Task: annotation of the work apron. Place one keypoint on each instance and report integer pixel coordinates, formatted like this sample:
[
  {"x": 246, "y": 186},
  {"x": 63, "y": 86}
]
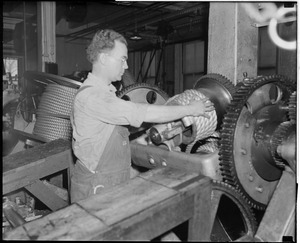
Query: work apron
[{"x": 113, "y": 168}]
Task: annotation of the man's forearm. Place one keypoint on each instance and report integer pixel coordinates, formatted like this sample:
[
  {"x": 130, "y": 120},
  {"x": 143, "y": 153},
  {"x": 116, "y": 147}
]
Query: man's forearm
[{"x": 160, "y": 114}]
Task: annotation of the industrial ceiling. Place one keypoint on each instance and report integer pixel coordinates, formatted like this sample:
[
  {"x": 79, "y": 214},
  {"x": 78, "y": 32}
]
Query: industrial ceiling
[{"x": 147, "y": 23}]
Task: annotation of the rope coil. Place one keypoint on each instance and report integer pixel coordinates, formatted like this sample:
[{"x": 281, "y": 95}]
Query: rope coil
[{"x": 204, "y": 126}]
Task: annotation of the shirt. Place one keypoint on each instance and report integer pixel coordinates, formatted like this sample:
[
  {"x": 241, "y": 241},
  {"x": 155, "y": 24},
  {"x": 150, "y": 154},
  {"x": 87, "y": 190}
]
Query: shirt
[{"x": 96, "y": 111}]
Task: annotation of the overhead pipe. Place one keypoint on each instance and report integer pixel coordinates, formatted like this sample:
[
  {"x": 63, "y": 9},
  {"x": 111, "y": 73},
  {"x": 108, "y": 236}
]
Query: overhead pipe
[
  {"x": 166, "y": 18},
  {"x": 193, "y": 22},
  {"x": 153, "y": 20}
]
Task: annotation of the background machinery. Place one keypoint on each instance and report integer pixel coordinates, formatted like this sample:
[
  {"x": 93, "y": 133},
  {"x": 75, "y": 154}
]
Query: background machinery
[{"x": 247, "y": 145}]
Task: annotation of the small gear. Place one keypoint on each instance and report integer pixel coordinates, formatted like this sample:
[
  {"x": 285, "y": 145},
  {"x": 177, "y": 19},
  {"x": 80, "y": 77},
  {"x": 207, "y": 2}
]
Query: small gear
[
  {"x": 293, "y": 106},
  {"x": 280, "y": 134}
]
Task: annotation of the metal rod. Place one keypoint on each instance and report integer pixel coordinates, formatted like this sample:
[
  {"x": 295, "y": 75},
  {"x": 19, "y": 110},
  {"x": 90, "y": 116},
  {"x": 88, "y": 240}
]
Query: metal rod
[
  {"x": 152, "y": 56},
  {"x": 159, "y": 62},
  {"x": 25, "y": 46},
  {"x": 142, "y": 64}
]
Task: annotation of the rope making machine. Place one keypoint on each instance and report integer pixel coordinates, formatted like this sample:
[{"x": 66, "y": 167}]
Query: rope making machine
[{"x": 246, "y": 146}]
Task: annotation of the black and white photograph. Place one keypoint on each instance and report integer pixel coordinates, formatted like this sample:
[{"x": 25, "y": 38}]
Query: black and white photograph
[{"x": 150, "y": 121}]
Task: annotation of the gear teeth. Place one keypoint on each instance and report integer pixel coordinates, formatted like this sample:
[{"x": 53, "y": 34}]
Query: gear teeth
[
  {"x": 135, "y": 86},
  {"x": 281, "y": 132},
  {"x": 225, "y": 82},
  {"x": 231, "y": 191},
  {"x": 293, "y": 106},
  {"x": 228, "y": 126}
]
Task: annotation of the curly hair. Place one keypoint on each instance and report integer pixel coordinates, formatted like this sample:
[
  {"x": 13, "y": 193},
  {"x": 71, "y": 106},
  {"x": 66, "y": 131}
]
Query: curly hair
[{"x": 102, "y": 41}]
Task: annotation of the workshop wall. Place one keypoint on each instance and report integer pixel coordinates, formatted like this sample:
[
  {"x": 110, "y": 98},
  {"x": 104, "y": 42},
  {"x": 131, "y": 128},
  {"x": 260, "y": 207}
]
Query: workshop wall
[{"x": 70, "y": 55}]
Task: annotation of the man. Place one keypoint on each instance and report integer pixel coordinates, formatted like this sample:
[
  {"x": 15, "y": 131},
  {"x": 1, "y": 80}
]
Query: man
[{"x": 100, "y": 142}]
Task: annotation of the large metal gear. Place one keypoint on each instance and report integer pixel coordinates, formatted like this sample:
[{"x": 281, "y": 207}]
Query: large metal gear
[
  {"x": 258, "y": 107},
  {"x": 226, "y": 201}
]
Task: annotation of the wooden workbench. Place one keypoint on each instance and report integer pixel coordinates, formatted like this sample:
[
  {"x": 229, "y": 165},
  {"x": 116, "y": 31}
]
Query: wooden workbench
[
  {"x": 147, "y": 206},
  {"x": 25, "y": 169}
]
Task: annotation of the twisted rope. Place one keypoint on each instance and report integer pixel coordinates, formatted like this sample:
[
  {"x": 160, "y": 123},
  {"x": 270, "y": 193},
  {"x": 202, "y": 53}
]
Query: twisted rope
[{"x": 204, "y": 126}]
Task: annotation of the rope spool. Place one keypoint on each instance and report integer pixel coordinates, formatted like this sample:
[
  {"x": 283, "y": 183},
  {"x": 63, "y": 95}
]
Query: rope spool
[
  {"x": 53, "y": 127},
  {"x": 53, "y": 113},
  {"x": 57, "y": 100},
  {"x": 204, "y": 126}
]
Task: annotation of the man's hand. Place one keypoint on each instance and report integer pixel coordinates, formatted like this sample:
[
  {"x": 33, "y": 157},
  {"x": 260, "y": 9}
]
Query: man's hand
[{"x": 201, "y": 107}]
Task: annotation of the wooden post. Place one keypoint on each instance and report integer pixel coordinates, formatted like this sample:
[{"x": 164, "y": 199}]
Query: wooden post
[
  {"x": 232, "y": 42},
  {"x": 46, "y": 12}
]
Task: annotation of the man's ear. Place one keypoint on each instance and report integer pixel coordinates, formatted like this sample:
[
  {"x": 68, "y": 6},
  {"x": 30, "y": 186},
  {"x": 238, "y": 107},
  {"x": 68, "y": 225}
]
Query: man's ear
[{"x": 102, "y": 58}]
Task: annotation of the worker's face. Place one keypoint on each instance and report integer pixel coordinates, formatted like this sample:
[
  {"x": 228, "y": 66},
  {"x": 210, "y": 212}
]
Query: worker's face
[{"x": 116, "y": 61}]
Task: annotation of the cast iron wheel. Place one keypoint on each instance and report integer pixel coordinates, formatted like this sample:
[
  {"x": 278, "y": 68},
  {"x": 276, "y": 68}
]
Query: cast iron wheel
[
  {"x": 143, "y": 93},
  {"x": 258, "y": 107},
  {"x": 233, "y": 218}
]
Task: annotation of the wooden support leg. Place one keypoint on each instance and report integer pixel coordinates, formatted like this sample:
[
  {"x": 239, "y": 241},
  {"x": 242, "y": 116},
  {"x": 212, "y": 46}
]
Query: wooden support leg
[
  {"x": 197, "y": 230},
  {"x": 279, "y": 218}
]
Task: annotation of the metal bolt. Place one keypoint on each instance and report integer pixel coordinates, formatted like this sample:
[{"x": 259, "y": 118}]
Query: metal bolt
[
  {"x": 259, "y": 189},
  {"x": 151, "y": 161},
  {"x": 164, "y": 163},
  {"x": 243, "y": 151},
  {"x": 250, "y": 178}
]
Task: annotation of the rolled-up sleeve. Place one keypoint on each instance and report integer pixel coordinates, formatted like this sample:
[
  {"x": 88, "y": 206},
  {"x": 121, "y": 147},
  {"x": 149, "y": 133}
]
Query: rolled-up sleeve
[{"x": 116, "y": 111}]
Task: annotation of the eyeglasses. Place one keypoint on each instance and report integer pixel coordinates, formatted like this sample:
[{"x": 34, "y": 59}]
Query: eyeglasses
[{"x": 122, "y": 59}]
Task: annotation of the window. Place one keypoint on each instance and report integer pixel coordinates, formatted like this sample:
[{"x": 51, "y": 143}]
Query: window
[{"x": 10, "y": 72}]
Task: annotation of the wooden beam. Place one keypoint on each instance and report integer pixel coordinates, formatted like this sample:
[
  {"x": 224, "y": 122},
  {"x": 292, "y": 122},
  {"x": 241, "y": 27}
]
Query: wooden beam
[
  {"x": 232, "y": 42},
  {"x": 46, "y": 196}
]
